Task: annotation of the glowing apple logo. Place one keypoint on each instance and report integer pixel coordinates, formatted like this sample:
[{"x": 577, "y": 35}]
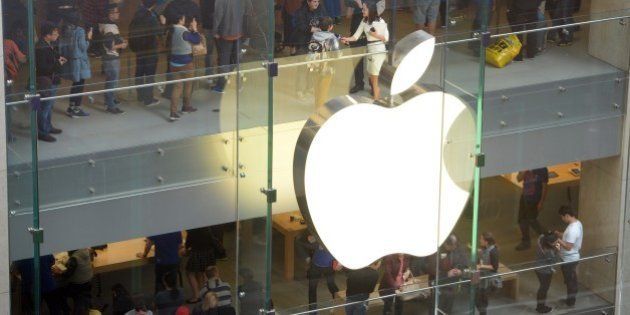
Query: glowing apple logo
[{"x": 373, "y": 181}]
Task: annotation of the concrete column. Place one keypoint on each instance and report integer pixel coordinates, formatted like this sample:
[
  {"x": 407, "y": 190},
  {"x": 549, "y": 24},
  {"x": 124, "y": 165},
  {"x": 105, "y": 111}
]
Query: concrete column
[{"x": 604, "y": 183}]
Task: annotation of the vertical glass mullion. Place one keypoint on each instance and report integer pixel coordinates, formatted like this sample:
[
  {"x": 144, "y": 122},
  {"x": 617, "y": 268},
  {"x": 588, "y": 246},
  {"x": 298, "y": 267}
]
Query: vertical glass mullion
[
  {"x": 270, "y": 121},
  {"x": 32, "y": 90}
]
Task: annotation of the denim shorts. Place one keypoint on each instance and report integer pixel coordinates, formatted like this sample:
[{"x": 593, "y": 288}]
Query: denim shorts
[{"x": 425, "y": 11}]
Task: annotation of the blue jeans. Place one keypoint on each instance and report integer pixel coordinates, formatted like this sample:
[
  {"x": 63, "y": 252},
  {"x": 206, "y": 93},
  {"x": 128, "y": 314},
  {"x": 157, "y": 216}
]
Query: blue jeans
[
  {"x": 145, "y": 74},
  {"x": 111, "y": 68},
  {"x": 210, "y": 57},
  {"x": 357, "y": 308},
  {"x": 44, "y": 122},
  {"x": 542, "y": 35}
]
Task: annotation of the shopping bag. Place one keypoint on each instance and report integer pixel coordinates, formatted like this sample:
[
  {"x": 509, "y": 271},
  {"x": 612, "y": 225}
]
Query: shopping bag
[{"x": 503, "y": 51}]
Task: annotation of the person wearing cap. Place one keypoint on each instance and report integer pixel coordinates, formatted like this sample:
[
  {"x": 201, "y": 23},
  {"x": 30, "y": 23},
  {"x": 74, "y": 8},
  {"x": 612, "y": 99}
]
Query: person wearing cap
[{"x": 144, "y": 32}]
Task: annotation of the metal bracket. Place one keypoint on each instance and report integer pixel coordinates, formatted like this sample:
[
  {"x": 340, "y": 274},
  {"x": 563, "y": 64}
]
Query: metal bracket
[
  {"x": 272, "y": 194},
  {"x": 34, "y": 100},
  {"x": 480, "y": 160},
  {"x": 37, "y": 233},
  {"x": 272, "y": 69}
]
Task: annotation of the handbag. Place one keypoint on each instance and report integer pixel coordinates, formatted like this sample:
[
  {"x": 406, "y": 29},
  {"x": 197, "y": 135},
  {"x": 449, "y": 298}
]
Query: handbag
[
  {"x": 201, "y": 48},
  {"x": 414, "y": 285}
]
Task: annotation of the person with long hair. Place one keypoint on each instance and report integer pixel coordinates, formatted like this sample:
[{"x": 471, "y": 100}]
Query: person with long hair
[
  {"x": 546, "y": 254},
  {"x": 375, "y": 29},
  {"x": 76, "y": 42},
  {"x": 488, "y": 264}
]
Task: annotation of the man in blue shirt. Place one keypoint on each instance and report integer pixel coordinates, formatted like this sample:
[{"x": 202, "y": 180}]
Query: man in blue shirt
[
  {"x": 321, "y": 265},
  {"x": 534, "y": 194},
  {"x": 167, "y": 247}
]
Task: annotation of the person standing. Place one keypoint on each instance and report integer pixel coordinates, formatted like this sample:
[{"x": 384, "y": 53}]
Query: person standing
[
  {"x": 396, "y": 268},
  {"x": 200, "y": 255},
  {"x": 532, "y": 198},
  {"x": 488, "y": 265},
  {"x": 307, "y": 20},
  {"x": 355, "y": 15},
  {"x": 77, "y": 278},
  {"x": 171, "y": 297},
  {"x": 113, "y": 43},
  {"x": 48, "y": 63},
  {"x": 523, "y": 15},
  {"x": 425, "y": 14},
  {"x": 49, "y": 292},
  {"x": 182, "y": 36},
  {"x": 451, "y": 262},
  {"x": 144, "y": 32},
  {"x": 569, "y": 244},
  {"x": 207, "y": 23},
  {"x": 321, "y": 266},
  {"x": 375, "y": 29},
  {"x": 219, "y": 287},
  {"x": 561, "y": 14},
  {"x": 359, "y": 284},
  {"x": 75, "y": 48},
  {"x": 228, "y": 30},
  {"x": 546, "y": 254},
  {"x": 167, "y": 249}
]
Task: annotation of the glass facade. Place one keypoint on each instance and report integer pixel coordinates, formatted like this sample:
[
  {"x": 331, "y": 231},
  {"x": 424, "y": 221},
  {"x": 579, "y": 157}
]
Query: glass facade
[{"x": 295, "y": 157}]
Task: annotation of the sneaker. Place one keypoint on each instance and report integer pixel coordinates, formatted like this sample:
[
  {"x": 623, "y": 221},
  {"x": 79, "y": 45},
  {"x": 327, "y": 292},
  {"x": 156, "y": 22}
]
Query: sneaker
[
  {"x": 523, "y": 246},
  {"x": 153, "y": 102},
  {"x": 76, "y": 112},
  {"x": 55, "y": 131},
  {"x": 188, "y": 109},
  {"x": 117, "y": 102},
  {"x": 173, "y": 117},
  {"x": 218, "y": 89},
  {"x": 356, "y": 89},
  {"x": 544, "y": 309},
  {"x": 46, "y": 138},
  {"x": 115, "y": 110}
]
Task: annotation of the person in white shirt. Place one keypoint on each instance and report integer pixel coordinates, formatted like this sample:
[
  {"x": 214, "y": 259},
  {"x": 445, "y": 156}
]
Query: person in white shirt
[
  {"x": 375, "y": 29},
  {"x": 569, "y": 244}
]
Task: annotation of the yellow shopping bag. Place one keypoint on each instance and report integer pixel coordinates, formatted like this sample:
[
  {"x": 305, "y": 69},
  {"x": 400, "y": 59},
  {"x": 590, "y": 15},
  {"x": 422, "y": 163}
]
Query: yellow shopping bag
[{"x": 503, "y": 51}]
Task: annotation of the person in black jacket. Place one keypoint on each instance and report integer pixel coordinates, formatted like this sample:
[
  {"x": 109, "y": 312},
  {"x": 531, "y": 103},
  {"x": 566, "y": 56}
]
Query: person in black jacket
[
  {"x": 308, "y": 17},
  {"x": 48, "y": 62},
  {"x": 360, "y": 283},
  {"x": 144, "y": 32},
  {"x": 488, "y": 264},
  {"x": 207, "y": 20},
  {"x": 451, "y": 262},
  {"x": 523, "y": 15}
]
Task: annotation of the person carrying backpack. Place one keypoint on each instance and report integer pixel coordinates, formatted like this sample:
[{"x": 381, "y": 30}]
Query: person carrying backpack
[
  {"x": 74, "y": 46},
  {"x": 144, "y": 32}
]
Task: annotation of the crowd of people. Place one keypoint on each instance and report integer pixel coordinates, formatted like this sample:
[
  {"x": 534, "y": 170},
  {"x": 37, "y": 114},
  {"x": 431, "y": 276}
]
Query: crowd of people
[
  {"x": 72, "y": 33},
  {"x": 450, "y": 265}
]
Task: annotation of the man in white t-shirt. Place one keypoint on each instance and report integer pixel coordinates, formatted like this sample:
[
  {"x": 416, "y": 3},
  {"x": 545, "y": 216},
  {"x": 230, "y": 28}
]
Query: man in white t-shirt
[{"x": 569, "y": 244}]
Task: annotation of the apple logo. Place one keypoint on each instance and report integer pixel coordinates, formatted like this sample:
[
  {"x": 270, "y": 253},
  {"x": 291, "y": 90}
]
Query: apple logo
[{"x": 373, "y": 181}]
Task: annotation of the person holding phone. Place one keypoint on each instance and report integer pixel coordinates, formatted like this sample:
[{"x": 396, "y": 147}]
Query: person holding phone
[
  {"x": 375, "y": 29},
  {"x": 48, "y": 63}
]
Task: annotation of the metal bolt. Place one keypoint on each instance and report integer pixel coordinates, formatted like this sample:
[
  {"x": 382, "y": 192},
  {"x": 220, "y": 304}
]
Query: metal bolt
[
  {"x": 92, "y": 190},
  {"x": 616, "y": 106},
  {"x": 505, "y": 98},
  {"x": 242, "y": 175},
  {"x": 160, "y": 151},
  {"x": 560, "y": 115},
  {"x": 503, "y": 123},
  {"x": 16, "y": 174},
  {"x": 224, "y": 168},
  {"x": 240, "y": 139},
  {"x": 618, "y": 80},
  {"x": 160, "y": 179},
  {"x": 562, "y": 89},
  {"x": 12, "y": 212},
  {"x": 17, "y": 202},
  {"x": 226, "y": 141},
  {"x": 92, "y": 162}
]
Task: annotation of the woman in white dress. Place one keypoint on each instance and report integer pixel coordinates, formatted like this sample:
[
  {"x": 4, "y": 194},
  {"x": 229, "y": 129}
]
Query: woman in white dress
[{"x": 375, "y": 29}]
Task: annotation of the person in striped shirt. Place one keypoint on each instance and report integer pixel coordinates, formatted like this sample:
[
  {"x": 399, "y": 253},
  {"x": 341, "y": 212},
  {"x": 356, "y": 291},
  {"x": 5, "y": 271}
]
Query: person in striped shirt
[{"x": 219, "y": 287}]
